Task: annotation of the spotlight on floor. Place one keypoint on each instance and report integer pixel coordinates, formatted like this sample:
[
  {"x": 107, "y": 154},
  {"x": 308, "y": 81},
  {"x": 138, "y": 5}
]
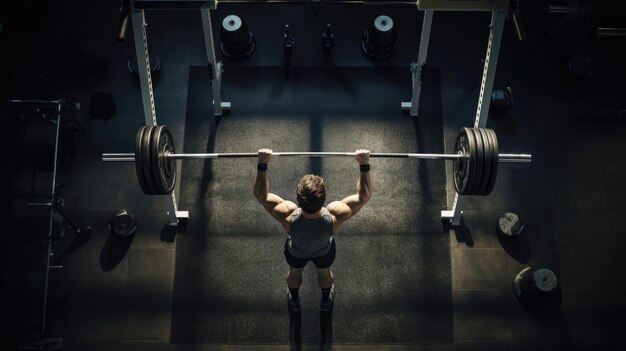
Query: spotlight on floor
[
  {"x": 237, "y": 41},
  {"x": 379, "y": 40}
]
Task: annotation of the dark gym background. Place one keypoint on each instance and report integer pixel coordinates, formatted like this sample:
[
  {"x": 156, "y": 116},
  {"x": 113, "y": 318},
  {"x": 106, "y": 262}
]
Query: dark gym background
[{"x": 126, "y": 294}]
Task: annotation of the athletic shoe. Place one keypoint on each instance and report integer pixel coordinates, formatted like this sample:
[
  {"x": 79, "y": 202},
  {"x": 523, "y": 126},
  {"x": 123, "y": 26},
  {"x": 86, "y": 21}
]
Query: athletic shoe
[
  {"x": 294, "y": 305},
  {"x": 326, "y": 305}
]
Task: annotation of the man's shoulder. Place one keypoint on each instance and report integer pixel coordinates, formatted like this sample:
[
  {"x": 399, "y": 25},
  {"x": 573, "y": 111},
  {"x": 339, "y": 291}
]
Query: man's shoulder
[{"x": 336, "y": 207}]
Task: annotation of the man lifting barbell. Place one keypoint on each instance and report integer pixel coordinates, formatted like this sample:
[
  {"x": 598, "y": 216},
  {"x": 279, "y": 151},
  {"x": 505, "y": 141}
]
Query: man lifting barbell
[{"x": 310, "y": 227}]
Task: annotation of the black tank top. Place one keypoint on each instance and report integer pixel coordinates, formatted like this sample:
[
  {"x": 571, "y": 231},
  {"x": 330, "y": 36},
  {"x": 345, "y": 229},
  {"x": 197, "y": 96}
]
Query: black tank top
[{"x": 310, "y": 238}]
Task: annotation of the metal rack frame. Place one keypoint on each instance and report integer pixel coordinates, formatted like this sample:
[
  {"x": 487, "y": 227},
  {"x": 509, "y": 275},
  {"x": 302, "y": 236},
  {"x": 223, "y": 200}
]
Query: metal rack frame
[
  {"x": 49, "y": 343},
  {"x": 498, "y": 8}
]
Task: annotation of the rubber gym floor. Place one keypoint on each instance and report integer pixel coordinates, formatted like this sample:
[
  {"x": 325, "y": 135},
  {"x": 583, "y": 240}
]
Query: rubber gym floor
[{"x": 403, "y": 281}]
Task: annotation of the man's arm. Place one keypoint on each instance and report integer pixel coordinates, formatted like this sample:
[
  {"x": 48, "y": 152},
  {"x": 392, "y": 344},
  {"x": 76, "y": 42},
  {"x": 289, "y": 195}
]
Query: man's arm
[
  {"x": 351, "y": 205},
  {"x": 274, "y": 204}
]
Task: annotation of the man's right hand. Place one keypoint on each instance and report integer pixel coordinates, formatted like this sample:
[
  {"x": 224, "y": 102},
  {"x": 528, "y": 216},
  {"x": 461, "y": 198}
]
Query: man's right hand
[
  {"x": 265, "y": 156},
  {"x": 362, "y": 157}
]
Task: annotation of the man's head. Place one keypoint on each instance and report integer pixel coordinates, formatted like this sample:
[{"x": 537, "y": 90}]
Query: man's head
[{"x": 311, "y": 193}]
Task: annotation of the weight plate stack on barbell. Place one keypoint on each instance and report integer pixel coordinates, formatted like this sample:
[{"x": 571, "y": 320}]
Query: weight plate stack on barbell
[
  {"x": 476, "y": 157},
  {"x": 155, "y": 171},
  {"x": 475, "y": 174}
]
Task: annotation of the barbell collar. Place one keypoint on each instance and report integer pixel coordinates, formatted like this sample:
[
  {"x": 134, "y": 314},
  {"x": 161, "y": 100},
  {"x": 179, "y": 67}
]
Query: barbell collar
[{"x": 130, "y": 157}]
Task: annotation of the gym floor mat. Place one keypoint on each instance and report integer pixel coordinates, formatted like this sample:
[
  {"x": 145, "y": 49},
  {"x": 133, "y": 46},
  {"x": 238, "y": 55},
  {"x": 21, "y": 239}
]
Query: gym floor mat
[{"x": 393, "y": 281}]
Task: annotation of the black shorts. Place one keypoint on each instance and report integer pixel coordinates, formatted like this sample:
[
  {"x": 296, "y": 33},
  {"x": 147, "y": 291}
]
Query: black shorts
[{"x": 319, "y": 262}]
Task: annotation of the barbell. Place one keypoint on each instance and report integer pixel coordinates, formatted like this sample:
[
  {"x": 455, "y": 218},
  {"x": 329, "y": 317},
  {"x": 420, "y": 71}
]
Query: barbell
[{"x": 475, "y": 157}]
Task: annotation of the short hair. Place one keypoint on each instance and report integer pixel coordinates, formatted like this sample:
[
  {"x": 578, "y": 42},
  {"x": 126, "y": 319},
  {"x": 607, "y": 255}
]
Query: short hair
[{"x": 311, "y": 193}]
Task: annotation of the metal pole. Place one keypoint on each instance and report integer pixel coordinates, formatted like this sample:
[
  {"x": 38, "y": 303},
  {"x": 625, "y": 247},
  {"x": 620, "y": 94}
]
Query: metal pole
[
  {"x": 489, "y": 70},
  {"x": 417, "y": 69},
  {"x": 484, "y": 98},
  {"x": 325, "y": 2},
  {"x": 611, "y": 32},
  {"x": 130, "y": 157},
  {"x": 147, "y": 94},
  {"x": 37, "y": 102},
  {"x": 143, "y": 66},
  {"x": 477, "y": 5},
  {"x": 216, "y": 67},
  {"x": 50, "y": 225}
]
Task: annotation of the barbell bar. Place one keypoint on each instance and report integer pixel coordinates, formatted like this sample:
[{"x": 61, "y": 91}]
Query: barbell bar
[
  {"x": 475, "y": 157},
  {"x": 130, "y": 157}
]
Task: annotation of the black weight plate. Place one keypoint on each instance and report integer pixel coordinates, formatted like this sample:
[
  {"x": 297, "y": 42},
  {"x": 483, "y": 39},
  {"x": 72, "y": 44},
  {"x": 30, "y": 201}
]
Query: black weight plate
[
  {"x": 494, "y": 165},
  {"x": 471, "y": 141},
  {"x": 461, "y": 165},
  {"x": 479, "y": 165},
  {"x": 464, "y": 171},
  {"x": 487, "y": 145},
  {"x": 122, "y": 223},
  {"x": 164, "y": 169},
  {"x": 139, "y": 160},
  {"x": 154, "y": 155},
  {"x": 147, "y": 148},
  {"x": 169, "y": 165},
  {"x": 493, "y": 159},
  {"x": 143, "y": 166},
  {"x": 544, "y": 280},
  {"x": 154, "y": 160}
]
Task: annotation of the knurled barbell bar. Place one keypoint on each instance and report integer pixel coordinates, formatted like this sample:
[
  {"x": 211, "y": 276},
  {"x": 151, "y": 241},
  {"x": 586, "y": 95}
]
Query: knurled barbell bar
[{"x": 475, "y": 157}]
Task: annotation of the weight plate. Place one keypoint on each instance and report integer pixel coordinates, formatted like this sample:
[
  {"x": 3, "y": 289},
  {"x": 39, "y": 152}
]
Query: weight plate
[
  {"x": 471, "y": 141},
  {"x": 486, "y": 165},
  {"x": 480, "y": 161},
  {"x": 517, "y": 283},
  {"x": 510, "y": 225},
  {"x": 494, "y": 165},
  {"x": 487, "y": 145},
  {"x": 147, "y": 148},
  {"x": 494, "y": 160},
  {"x": 154, "y": 155},
  {"x": 545, "y": 280},
  {"x": 164, "y": 169},
  {"x": 122, "y": 223},
  {"x": 168, "y": 165},
  {"x": 142, "y": 166},
  {"x": 139, "y": 159},
  {"x": 462, "y": 165},
  {"x": 154, "y": 158}
]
